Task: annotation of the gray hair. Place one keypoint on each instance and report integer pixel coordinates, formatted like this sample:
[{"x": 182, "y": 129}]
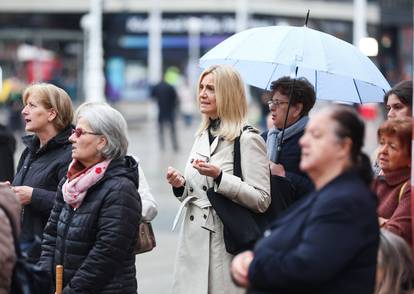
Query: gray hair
[{"x": 109, "y": 122}]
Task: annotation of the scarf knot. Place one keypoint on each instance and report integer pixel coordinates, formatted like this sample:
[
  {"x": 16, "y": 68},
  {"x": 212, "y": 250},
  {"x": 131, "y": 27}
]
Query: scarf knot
[{"x": 74, "y": 191}]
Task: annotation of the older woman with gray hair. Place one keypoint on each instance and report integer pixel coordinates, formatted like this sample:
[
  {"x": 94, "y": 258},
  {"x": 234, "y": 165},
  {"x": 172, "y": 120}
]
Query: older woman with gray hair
[{"x": 92, "y": 229}]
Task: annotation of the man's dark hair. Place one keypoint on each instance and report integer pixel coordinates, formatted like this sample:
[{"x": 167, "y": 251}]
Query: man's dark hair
[{"x": 302, "y": 92}]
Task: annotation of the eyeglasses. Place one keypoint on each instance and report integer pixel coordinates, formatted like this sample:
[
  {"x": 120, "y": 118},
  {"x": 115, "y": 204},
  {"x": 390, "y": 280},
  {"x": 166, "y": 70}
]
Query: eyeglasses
[
  {"x": 276, "y": 103},
  {"x": 79, "y": 132}
]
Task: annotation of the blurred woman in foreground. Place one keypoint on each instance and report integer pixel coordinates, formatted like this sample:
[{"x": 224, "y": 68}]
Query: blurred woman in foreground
[{"x": 326, "y": 243}]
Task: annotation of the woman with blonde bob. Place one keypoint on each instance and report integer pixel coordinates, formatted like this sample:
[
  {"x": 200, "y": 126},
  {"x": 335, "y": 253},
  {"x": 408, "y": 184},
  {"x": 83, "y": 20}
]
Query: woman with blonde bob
[
  {"x": 48, "y": 114},
  {"x": 202, "y": 264},
  {"x": 395, "y": 265}
]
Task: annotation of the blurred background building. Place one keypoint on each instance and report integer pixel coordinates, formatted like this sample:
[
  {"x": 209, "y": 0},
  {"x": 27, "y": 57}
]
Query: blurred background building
[{"x": 46, "y": 40}]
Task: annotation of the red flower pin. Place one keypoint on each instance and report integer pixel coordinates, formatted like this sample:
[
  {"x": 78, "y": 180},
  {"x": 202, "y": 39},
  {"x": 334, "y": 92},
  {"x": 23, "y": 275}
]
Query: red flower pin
[{"x": 98, "y": 170}]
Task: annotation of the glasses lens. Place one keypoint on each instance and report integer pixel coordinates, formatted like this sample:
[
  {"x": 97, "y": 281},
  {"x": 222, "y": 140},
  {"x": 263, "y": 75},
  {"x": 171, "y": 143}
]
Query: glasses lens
[{"x": 78, "y": 132}]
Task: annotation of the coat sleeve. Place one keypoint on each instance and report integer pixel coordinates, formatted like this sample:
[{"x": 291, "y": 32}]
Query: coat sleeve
[
  {"x": 400, "y": 221},
  {"x": 46, "y": 260},
  {"x": 302, "y": 265},
  {"x": 149, "y": 205},
  {"x": 117, "y": 231},
  {"x": 303, "y": 185},
  {"x": 254, "y": 191}
]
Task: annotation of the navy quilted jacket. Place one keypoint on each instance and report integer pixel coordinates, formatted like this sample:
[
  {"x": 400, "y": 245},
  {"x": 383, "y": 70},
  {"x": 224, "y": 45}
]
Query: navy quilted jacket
[{"x": 95, "y": 242}]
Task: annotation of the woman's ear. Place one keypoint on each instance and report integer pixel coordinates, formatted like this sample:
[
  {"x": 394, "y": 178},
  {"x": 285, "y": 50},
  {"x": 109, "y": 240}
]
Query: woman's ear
[
  {"x": 52, "y": 115},
  {"x": 297, "y": 110},
  {"x": 102, "y": 143}
]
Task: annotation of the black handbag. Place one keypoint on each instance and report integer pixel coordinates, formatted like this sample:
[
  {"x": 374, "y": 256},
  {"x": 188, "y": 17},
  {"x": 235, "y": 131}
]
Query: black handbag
[
  {"x": 241, "y": 226},
  {"x": 27, "y": 278}
]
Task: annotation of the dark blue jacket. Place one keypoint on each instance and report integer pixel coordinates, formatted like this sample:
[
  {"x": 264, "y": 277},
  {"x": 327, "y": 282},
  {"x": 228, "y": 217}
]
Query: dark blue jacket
[
  {"x": 95, "y": 243},
  {"x": 41, "y": 169},
  {"x": 325, "y": 243},
  {"x": 290, "y": 159}
]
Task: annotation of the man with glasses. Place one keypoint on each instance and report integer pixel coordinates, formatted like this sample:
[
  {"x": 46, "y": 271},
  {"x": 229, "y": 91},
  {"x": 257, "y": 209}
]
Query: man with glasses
[{"x": 284, "y": 157}]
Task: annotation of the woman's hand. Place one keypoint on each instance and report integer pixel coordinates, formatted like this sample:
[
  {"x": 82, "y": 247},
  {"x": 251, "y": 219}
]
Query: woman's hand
[
  {"x": 23, "y": 193},
  {"x": 206, "y": 169},
  {"x": 382, "y": 221},
  {"x": 175, "y": 178},
  {"x": 277, "y": 169},
  {"x": 240, "y": 268}
]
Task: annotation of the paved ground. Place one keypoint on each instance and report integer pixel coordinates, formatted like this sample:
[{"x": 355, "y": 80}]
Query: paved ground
[{"x": 154, "y": 269}]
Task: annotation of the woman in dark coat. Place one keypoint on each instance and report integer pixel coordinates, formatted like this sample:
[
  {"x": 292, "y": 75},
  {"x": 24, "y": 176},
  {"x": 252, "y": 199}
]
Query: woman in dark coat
[
  {"x": 326, "y": 243},
  {"x": 93, "y": 226},
  {"x": 48, "y": 113}
]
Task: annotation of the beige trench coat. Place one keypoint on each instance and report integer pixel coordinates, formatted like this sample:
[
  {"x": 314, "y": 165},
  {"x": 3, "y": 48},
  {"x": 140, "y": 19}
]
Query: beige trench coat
[{"x": 202, "y": 263}]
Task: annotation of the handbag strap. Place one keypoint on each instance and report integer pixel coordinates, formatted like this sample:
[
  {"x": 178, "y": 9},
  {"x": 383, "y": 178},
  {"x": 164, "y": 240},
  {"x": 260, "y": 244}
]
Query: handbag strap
[
  {"x": 237, "y": 171},
  {"x": 402, "y": 191}
]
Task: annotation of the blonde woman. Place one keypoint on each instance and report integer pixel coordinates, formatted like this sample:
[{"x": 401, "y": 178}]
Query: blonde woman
[
  {"x": 48, "y": 115},
  {"x": 202, "y": 264}
]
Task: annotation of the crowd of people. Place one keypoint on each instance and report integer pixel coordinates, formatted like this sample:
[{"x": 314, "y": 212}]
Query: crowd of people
[{"x": 77, "y": 197}]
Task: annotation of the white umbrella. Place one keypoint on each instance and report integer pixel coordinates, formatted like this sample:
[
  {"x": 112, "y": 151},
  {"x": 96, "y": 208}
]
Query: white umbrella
[{"x": 338, "y": 70}]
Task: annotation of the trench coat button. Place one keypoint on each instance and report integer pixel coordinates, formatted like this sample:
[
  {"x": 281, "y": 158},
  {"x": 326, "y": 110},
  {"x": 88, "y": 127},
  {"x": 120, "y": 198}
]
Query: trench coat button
[
  {"x": 204, "y": 188},
  {"x": 267, "y": 233},
  {"x": 208, "y": 159},
  {"x": 205, "y": 216},
  {"x": 191, "y": 217},
  {"x": 192, "y": 160},
  {"x": 191, "y": 189}
]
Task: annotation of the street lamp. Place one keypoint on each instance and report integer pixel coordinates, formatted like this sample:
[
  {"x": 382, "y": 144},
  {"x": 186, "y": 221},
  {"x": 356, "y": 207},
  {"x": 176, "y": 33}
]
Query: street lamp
[
  {"x": 193, "y": 27},
  {"x": 94, "y": 80}
]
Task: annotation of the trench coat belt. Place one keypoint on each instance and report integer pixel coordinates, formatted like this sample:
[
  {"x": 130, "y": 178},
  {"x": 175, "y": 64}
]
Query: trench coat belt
[{"x": 201, "y": 203}]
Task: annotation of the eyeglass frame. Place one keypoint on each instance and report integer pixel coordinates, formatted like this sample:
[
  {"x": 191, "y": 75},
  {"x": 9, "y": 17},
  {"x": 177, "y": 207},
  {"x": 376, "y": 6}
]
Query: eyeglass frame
[
  {"x": 79, "y": 132},
  {"x": 276, "y": 103}
]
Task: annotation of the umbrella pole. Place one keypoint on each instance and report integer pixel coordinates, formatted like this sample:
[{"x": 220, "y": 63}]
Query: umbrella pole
[
  {"x": 280, "y": 142},
  {"x": 59, "y": 279}
]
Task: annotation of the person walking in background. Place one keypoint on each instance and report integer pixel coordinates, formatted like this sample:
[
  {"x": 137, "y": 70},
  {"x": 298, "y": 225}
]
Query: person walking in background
[
  {"x": 393, "y": 186},
  {"x": 395, "y": 266},
  {"x": 302, "y": 100},
  {"x": 328, "y": 241},
  {"x": 92, "y": 230},
  {"x": 48, "y": 113},
  {"x": 202, "y": 263},
  {"x": 9, "y": 206},
  {"x": 167, "y": 101},
  {"x": 7, "y": 149}
]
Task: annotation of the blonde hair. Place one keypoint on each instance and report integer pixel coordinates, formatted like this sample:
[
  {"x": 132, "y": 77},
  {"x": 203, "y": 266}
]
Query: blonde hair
[
  {"x": 395, "y": 258},
  {"x": 230, "y": 100},
  {"x": 52, "y": 97}
]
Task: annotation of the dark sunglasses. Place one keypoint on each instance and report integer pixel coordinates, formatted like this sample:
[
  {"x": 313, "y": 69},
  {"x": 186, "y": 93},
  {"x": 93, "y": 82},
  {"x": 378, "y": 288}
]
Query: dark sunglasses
[{"x": 79, "y": 132}]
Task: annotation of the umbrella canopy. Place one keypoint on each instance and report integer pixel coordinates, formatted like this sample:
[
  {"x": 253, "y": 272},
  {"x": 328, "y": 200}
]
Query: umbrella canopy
[{"x": 338, "y": 70}]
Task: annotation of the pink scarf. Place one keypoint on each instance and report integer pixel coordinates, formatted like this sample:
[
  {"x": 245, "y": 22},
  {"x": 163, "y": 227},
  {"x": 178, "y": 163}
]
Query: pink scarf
[{"x": 74, "y": 191}]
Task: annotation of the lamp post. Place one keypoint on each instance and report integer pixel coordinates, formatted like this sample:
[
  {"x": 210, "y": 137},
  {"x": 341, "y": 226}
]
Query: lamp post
[
  {"x": 193, "y": 27},
  {"x": 94, "y": 81},
  {"x": 155, "y": 45}
]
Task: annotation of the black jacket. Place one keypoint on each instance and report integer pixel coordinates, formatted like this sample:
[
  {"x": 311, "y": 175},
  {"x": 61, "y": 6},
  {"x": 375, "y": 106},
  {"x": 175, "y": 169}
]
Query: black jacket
[
  {"x": 325, "y": 243},
  {"x": 290, "y": 159},
  {"x": 7, "y": 148},
  {"x": 41, "y": 169},
  {"x": 95, "y": 242}
]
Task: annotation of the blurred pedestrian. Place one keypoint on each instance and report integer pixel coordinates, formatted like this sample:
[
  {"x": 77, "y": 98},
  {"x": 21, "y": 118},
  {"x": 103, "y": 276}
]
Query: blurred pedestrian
[
  {"x": 167, "y": 101},
  {"x": 9, "y": 203},
  {"x": 395, "y": 268},
  {"x": 202, "y": 264},
  {"x": 92, "y": 230},
  {"x": 328, "y": 241},
  {"x": 393, "y": 186},
  {"x": 48, "y": 114},
  {"x": 7, "y": 149},
  {"x": 296, "y": 116}
]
